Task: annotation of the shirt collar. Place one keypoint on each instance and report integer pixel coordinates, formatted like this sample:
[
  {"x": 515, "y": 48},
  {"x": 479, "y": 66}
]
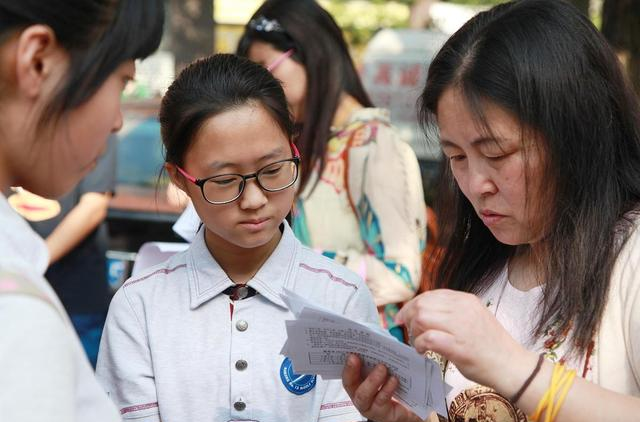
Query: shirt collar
[
  {"x": 207, "y": 279},
  {"x": 21, "y": 249}
]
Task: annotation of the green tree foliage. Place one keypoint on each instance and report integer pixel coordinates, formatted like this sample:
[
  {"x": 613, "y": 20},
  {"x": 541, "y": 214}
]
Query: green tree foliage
[
  {"x": 360, "y": 20},
  {"x": 477, "y": 2},
  {"x": 409, "y": 2}
]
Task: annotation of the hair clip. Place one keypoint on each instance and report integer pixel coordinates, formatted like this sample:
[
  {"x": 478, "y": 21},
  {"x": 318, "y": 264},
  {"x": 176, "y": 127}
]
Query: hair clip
[{"x": 263, "y": 24}]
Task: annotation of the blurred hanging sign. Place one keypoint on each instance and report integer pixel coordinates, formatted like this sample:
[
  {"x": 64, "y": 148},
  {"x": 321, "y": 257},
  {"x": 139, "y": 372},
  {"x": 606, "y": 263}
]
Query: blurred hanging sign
[{"x": 394, "y": 72}]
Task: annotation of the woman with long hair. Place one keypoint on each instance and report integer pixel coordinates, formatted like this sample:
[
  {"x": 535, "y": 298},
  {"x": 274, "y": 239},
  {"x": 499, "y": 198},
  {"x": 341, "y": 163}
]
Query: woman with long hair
[
  {"x": 64, "y": 64},
  {"x": 360, "y": 197},
  {"x": 537, "y": 306}
]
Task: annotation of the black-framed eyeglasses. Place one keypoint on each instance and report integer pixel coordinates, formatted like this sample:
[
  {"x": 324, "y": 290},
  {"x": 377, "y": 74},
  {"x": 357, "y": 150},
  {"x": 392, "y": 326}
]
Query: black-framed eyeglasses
[{"x": 226, "y": 188}]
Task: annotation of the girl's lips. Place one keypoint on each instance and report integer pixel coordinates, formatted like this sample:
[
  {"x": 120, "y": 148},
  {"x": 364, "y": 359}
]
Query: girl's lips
[
  {"x": 255, "y": 224},
  {"x": 254, "y": 221}
]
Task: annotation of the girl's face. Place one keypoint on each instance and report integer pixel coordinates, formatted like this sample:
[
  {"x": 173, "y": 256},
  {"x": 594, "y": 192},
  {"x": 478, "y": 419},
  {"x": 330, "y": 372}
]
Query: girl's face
[
  {"x": 239, "y": 141},
  {"x": 66, "y": 150},
  {"x": 291, "y": 73},
  {"x": 491, "y": 170},
  {"x": 82, "y": 138}
]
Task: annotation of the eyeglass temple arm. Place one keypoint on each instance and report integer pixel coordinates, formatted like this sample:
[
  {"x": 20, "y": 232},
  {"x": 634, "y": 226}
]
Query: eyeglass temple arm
[
  {"x": 296, "y": 153},
  {"x": 280, "y": 59},
  {"x": 187, "y": 175}
]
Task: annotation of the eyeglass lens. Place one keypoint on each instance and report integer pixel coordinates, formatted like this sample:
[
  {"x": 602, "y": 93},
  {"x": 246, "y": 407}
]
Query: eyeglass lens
[{"x": 274, "y": 177}]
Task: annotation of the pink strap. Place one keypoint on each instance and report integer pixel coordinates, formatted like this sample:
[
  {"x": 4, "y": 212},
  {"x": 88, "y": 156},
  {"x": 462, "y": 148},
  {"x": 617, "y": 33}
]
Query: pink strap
[{"x": 16, "y": 284}]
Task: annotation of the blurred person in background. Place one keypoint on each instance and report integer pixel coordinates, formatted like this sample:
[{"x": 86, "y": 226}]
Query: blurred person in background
[
  {"x": 63, "y": 67},
  {"x": 360, "y": 197}
]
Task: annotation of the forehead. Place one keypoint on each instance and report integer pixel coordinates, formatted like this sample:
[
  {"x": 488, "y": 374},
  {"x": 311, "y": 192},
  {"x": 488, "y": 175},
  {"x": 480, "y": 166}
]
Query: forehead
[
  {"x": 261, "y": 51},
  {"x": 458, "y": 123},
  {"x": 239, "y": 135}
]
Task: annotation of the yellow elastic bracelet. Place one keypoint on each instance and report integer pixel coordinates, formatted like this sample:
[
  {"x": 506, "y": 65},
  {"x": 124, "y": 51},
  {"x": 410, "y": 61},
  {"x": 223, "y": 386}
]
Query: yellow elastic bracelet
[
  {"x": 556, "y": 385},
  {"x": 547, "y": 399},
  {"x": 563, "y": 395},
  {"x": 561, "y": 382}
]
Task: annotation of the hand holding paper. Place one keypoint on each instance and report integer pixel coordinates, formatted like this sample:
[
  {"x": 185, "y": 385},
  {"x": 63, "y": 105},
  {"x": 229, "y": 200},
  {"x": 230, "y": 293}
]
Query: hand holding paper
[{"x": 319, "y": 341}]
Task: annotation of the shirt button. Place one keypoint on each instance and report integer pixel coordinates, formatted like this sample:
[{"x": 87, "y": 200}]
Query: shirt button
[
  {"x": 242, "y": 325},
  {"x": 241, "y": 365},
  {"x": 239, "y": 406}
]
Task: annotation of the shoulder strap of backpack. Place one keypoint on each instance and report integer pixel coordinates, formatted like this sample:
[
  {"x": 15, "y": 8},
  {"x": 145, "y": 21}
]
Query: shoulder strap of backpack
[{"x": 15, "y": 284}]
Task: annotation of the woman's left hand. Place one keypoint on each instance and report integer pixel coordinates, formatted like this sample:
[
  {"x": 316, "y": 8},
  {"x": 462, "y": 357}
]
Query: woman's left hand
[{"x": 459, "y": 327}]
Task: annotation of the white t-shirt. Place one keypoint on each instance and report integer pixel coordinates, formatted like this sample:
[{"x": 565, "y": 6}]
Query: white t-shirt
[
  {"x": 612, "y": 361},
  {"x": 518, "y": 313},
  {"x": 44, "y": 372},
  {"x": 173, "y": 350}
]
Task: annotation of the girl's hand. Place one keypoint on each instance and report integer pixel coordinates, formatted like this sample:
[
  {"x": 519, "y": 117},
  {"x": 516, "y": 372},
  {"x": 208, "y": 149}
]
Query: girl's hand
[
  {"x": 461, "y": 329},
  {"x": 373, "y": 395}
]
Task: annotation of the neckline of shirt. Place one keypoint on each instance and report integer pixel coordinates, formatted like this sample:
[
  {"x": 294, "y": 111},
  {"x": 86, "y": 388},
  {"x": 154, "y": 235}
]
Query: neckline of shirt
[{"x": 208, "y": 280}]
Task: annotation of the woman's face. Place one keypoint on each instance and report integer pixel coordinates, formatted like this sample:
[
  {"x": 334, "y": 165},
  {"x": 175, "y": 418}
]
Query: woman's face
[
  {"x": 242, "y": 141},
  {"x": 495, "y": 172},
  {"x": 291, "y": 73},
  {"x": 65, "y": 150}
]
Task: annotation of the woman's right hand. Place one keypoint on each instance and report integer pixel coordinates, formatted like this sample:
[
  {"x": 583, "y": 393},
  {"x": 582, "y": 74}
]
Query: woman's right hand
[{"x": 459, "y": 327}]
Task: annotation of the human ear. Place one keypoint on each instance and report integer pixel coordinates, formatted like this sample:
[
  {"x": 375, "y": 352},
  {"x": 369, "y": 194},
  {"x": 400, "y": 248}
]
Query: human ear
[
  {"x": 39, "y": 59},
  {"x": 176, "y": 178}
]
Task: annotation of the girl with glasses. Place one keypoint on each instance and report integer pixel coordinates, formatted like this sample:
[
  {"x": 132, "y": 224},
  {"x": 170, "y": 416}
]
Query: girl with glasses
[
  {"x": 64, "y": 66},
  {"x": 360, "y": 199},
  {"x": 198, "y": 337}
]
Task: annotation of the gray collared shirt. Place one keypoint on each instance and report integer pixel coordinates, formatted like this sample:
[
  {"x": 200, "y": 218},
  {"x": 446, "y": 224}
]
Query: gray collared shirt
[{"x": 172, "y": 348}]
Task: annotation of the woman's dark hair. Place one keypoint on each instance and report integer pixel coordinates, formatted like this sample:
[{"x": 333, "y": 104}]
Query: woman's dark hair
[
  {"x": 543, "y": 62},
  {"x": 320, "y": 47},
  {"x": 99, "y": 35},
  {"x": 211, "y": 86}
]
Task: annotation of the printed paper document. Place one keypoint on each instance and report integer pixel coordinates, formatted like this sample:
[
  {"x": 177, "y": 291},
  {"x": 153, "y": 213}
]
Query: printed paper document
[{"x": 318, "y": 342}]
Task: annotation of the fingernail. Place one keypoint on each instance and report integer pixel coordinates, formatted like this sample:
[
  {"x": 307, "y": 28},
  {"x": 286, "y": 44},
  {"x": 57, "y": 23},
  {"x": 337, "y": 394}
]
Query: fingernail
[{"x": 351, "y": 360}]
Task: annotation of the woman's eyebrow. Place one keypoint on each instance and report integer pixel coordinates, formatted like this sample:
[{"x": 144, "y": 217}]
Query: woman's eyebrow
[{"x": 476, "y": 142}]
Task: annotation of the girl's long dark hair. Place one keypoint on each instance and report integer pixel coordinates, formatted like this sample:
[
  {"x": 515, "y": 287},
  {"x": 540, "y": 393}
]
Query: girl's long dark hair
[
  {"x": 321, "y": 49},
  {"x": 547, "y": 65}
]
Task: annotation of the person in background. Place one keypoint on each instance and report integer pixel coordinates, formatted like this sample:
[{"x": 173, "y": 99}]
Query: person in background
[
  {"x": 360, "y": 198},
  {"x": 76, "y": 234},
  {"x": 536, "y": 311},
  {"x": 63, "y": 67}
]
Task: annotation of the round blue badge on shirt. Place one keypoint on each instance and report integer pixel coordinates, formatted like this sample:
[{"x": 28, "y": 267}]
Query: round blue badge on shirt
[{"x": 296, "y": 383}]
